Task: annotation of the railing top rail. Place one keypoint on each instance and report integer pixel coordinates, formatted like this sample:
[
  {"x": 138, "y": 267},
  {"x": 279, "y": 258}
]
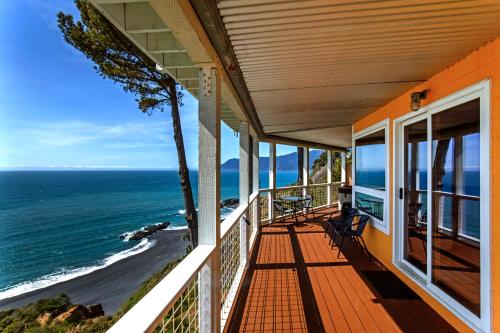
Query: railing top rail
[
  {"x": 232, "y": 219},
  {"x": 464, "y": 196},
  {"x": 290, "y": 187},
  {"x": 298, "y": 186},
  {"x": 253, "y": 196},
  {"x": 148, "y": 313},
  {"x": 319, "y": 184}
]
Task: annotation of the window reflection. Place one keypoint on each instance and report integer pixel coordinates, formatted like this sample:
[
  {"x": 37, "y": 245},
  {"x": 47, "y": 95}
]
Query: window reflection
[
  {"x": 415, "y": 194},
  {"x": 370, "y": 161},
  {"x": 455, "y": 201},
  {"x": 371, "y": 205}
]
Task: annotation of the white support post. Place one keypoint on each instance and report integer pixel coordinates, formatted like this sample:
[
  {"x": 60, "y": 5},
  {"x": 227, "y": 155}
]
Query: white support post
[
  {"x": 255, "y": 166},
  {"x": 209, "y": 115},
  {"x": 329, "y": 177},
  {"x": 256, "y": 184},
  {"x": 272, "y": 178},
  {"x": 305, "y": 171},
  {"x": 342, "y": 168},
  {"x": 244, "y": 188}
]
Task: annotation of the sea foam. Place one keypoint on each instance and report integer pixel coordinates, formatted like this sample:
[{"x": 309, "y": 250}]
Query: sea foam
[
  {"x": 181, "y": 227},
  {"x": 68, "y": 274}
]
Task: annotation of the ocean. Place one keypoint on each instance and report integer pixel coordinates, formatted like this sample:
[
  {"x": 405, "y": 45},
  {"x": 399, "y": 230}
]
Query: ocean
[{"x": 57, "y": 225}]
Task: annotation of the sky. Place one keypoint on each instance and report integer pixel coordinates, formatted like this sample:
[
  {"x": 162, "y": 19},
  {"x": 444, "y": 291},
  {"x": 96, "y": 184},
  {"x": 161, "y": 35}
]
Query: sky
[{"x": 57, "y": 112}]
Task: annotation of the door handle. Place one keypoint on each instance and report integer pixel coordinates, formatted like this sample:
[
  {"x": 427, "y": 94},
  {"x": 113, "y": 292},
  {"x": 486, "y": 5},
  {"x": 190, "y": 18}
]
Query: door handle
[{"x": 401, "y": 193}]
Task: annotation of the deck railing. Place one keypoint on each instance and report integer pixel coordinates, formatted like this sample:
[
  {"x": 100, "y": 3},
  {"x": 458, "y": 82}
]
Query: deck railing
[
  {"x": 323, "y": 195},
  {"x": 174, "y": 304}
]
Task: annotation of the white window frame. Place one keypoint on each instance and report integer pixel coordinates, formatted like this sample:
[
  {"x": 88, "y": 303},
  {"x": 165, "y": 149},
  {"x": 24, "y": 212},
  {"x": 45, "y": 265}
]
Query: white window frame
[
  {"x": 479, "y": 90},
  {"x": 382, "y": 225}
]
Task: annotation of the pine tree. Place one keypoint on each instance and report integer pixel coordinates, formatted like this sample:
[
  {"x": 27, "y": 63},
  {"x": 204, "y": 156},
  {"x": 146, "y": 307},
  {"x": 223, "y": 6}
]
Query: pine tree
[{"x": 116, "y": 58}]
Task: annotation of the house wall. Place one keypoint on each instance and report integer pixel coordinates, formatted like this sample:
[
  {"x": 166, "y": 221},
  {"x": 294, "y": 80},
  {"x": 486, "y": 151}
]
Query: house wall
[{"x": 481, "y": 64}]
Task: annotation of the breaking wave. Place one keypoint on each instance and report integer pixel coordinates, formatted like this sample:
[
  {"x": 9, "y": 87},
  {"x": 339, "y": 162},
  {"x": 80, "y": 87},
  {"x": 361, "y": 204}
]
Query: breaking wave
[{"x": 68, "y": 274}]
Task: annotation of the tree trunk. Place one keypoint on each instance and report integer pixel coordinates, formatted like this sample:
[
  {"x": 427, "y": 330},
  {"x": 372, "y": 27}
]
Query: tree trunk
[
  {"x": 191, "y": 214},
  {"x": 300, "y": 165}
]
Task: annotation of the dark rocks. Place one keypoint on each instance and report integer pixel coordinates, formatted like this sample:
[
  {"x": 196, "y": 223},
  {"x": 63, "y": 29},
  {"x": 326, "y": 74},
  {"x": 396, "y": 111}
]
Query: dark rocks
[
  {"x": 95, "y": 310},
  {"x": 78, "y": 313},
  {"x": 148, "y": 230},
  {"x": 230, "y": 203}
]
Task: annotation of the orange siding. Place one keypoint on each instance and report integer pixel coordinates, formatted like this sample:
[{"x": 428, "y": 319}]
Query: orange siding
[{"x": 479, "y": 65}]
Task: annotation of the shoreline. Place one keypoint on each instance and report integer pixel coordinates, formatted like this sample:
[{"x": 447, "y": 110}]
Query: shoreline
[{"x": 114, "y": 284}]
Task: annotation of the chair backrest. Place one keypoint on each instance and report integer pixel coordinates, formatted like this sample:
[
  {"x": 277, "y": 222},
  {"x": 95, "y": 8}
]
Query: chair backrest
[
  {"x": 278, "y": 206},
  {"x": 348, "y": 212},
  {"x": 308, "y": 201},
  {"x": 363, "y": 220},
  {"x": 345, "y": 206}
]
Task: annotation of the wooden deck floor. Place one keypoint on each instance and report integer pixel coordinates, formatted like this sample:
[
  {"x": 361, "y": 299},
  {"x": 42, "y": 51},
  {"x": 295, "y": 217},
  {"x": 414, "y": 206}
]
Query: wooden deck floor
[{"x": 295, "y": 283}]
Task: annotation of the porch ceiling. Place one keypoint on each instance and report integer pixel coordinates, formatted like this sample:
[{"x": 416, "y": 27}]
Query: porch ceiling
[
  {"x": 161, "y": 30},
  {"x": 314, "y": 67}
]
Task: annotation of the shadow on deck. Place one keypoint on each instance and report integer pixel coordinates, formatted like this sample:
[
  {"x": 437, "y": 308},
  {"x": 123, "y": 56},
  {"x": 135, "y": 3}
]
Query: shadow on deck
[{"x": 296, "y": 283}]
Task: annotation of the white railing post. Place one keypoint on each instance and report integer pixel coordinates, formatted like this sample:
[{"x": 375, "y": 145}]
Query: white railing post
[
  {"x": 329, "y": 178},
  {"x": 305, "y": 171},
  {"x": 272, "y": 179},
  {"x": 342, "y": 168},
  {"x": 209, "y": 113},
  {"x": 244, "y": 188},
  {"x": 256, "y": 184}
]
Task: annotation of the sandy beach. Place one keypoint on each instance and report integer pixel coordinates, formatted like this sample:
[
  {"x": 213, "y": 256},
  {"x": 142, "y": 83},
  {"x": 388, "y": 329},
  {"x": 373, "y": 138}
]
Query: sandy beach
[{"x": 114, "y": 284}]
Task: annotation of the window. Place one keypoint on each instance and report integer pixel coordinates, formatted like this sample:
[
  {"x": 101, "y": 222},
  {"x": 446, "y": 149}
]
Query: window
[
  {"x": 370, "y": 173},
  {"x": 370, "y": 161}
]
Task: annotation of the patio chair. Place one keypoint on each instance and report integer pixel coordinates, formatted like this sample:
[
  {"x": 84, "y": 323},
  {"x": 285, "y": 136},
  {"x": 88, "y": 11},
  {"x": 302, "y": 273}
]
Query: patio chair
[
  {"x": 353, "y": 230},
  {"x": 307, "y": 204},
  {"x": 282, "y": 210},
  {"x": 416, "y": 224},
  {"x": 345, "y": 211}
]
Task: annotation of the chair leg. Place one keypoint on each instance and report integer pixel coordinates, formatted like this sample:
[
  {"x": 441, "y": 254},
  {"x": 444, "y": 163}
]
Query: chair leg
[
  {"x": 327, "y": 228},
  {"x": 332, "y": 238},
  {"x": 365, "y": 248},
  {"x": 423, "y": 241},
  {"x": 355, "y": 239},
  {"x": 341, "y": 244}
]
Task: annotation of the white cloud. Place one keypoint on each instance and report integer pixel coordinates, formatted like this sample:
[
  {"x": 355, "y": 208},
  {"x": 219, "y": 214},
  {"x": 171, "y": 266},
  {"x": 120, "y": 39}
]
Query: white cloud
[
  {"x": 74, "y": 133},
  {"x": 147, "y": 142}
]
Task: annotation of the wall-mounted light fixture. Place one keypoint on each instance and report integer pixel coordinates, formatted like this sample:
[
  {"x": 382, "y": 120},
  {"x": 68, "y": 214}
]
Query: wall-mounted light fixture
[{"x": 416, "y": 98}]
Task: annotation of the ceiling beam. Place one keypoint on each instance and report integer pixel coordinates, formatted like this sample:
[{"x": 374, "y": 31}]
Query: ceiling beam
[
  {"x": 301, "y": 143},
  {"x": 135, "y": 17}
]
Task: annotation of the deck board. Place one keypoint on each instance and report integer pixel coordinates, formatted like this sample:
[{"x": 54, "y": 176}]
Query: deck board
[{"x": 295, "y": 283}]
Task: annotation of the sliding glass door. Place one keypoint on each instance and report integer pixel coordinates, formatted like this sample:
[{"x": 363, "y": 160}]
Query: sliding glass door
[{"x": 442, "y": 206}]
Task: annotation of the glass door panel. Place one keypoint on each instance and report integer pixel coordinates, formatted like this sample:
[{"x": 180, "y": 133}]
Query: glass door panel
[
  {"x": 414, "y": 194},
  {"x": 455, "y": 203}
]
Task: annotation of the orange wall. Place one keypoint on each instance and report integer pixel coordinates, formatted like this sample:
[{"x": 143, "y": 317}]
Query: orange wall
[{"x": 479, "y": 65}]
